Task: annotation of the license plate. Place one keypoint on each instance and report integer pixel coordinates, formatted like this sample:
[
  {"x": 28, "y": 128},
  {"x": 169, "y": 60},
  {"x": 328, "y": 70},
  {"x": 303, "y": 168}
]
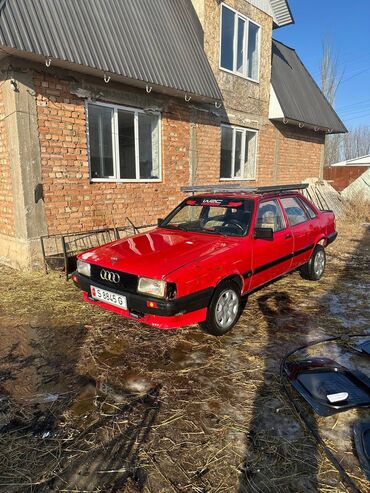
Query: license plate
[{"x": 109, "y": 297}]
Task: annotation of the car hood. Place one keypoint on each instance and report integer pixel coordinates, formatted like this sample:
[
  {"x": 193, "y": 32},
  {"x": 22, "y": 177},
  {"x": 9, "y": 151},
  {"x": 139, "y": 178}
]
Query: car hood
[{"x": 157, "y": 253}]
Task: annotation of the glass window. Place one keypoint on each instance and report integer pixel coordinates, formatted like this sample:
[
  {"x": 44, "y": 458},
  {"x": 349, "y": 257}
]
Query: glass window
[
  {"x": 227, "y": 45},
  {"x": 226, "y": 151},
  {"x": 253, "y": 55},
  {"x": 294, "y": 210},
  {"x": 238, "y": 153},
  {"x": 124, "y": 144},
  {"x": 101, "y": 146},
  {"x": 240, "y": 54},
  {"x": 126, "y": 139},
  {"x": 149, "y": 147},
  {"x": 270, "y": 216},
  {"x": 239, "y": 51}
]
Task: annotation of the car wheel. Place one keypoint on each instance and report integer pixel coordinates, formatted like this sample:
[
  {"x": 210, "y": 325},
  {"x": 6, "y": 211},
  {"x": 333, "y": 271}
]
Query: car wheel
[
  {"x": 315, "y": 267},
  {"x": 224, "y": 309}
]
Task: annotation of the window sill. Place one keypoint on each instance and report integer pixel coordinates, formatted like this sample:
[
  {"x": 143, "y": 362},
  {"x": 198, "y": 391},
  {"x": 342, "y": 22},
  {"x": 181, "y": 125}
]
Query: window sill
[
  {"x": 241, "y": 76},
  {"x": 113, "y": 180},
  {"x": 237, "y": 179}
]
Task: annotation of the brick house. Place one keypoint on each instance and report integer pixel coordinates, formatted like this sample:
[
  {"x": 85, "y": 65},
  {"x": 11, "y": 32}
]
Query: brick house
[{"x": 108, "y": 107}]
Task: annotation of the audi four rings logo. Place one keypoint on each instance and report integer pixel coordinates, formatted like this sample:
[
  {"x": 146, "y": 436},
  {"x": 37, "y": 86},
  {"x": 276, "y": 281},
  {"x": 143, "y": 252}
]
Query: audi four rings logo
[{"x": 107, "y": 275}]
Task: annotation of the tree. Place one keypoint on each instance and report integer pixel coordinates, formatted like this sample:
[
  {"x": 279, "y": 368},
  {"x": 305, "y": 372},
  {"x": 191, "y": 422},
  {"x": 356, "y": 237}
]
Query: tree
[
  {"x": 356, "y": 143},
  {"x": 330, "y": 77}
]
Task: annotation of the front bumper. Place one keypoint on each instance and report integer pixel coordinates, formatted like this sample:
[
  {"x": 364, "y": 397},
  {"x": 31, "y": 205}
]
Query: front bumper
[{"x": 175, "y": 313}]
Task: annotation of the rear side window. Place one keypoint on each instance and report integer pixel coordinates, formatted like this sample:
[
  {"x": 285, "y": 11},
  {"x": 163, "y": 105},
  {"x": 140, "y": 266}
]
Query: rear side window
[
  {"x": 294, "y": 210},
  {"x": 309, "y": 209}
]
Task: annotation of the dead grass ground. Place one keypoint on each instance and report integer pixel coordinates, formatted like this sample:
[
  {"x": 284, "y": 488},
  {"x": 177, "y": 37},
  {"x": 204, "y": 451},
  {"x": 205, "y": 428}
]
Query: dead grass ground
[{"x": 176, "y": 411}]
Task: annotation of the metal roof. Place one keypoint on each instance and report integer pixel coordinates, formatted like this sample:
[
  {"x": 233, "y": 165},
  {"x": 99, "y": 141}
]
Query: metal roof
[
  {"x": 158, "y": 41},
  {"x": 299, "y": 97}
]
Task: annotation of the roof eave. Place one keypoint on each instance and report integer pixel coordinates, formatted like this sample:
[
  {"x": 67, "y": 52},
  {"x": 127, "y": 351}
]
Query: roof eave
[
  {"x": 311, "y": 126},
  {"x": 113, "y": 77}
]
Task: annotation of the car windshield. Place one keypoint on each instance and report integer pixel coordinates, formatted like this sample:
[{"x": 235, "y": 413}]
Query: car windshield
[{"x": 228, "y": 217}]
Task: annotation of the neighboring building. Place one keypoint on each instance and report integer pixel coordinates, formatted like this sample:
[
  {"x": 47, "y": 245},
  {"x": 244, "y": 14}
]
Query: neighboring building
[
  {"x": 108, "y": 107},
  {"x": 346, "y": 172}
]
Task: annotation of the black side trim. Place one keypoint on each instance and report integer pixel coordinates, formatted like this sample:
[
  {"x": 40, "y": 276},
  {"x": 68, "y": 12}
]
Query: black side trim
[
  {"x": 248, "y": 274},
  {"x": 137, "y": 302},
  {"x": 331, "y": 238},
  {"x": 282, "y": 259}
]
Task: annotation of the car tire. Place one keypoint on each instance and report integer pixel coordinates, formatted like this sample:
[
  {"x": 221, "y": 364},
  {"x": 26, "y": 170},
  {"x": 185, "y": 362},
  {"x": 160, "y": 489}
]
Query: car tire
[
  {"x": 224, "y": 309},
  {"x": 315, "y": 267}
]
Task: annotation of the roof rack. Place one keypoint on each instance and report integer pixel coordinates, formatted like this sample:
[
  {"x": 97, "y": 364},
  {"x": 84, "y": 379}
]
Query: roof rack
[{"x": 239, "y": 189}]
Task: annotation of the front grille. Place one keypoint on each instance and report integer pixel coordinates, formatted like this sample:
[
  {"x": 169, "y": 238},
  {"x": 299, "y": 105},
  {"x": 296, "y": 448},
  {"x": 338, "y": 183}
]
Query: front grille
[{"x": 128, "y": 282}]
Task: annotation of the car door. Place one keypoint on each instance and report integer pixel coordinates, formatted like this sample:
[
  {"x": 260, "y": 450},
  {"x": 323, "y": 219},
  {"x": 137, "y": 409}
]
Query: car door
[
  {"x": 271, "y": 258},
  {"x": 302, "y": 228}
]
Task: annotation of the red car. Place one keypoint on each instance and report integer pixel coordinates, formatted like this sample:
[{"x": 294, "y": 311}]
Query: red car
[{"x": 209, "y": 252}]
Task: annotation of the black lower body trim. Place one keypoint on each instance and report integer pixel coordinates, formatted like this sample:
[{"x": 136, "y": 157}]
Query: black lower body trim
[
  {"x": 138, "y": 302},
  {"x": 282, "y": 259}
]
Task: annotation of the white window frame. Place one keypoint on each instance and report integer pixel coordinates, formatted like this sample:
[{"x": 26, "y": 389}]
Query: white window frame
[
  {"x": 244, "y": 130},
  {"x": 115, "y": 144},
  {"x": 235, "y": 46}
]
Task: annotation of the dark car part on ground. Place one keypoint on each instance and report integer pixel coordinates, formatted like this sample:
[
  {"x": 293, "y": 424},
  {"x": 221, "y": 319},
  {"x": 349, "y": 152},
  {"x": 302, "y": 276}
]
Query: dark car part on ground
[
  {"x": 293, "y": 401},
  {"x": 361, "y": 434},
  {"x": 328, "y": 387}
]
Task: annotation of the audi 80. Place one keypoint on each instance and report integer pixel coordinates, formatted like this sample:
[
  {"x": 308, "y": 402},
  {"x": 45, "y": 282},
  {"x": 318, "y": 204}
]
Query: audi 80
[{"x": 208, "y": 254}]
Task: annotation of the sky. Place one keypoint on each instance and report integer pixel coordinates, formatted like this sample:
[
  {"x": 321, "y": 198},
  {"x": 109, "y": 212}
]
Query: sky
[{"x": 347, "y": 26}]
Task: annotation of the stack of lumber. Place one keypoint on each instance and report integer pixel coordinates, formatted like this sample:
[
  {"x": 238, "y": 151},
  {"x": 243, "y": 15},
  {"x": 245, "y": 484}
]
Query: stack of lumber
[{"x": 324, "y": 196}]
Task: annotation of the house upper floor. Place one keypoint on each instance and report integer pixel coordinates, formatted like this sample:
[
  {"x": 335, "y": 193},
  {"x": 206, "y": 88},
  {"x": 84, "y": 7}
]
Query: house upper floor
[{"x": 237, "y": 39}]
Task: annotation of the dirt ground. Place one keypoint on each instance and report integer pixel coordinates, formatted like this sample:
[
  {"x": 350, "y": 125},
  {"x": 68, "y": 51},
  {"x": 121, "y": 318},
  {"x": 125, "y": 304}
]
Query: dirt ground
[{"x": 91, "y": 402}]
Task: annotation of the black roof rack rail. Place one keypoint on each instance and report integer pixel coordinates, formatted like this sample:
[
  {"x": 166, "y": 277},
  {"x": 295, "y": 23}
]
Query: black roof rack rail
[{"x": 239, "y": 189}]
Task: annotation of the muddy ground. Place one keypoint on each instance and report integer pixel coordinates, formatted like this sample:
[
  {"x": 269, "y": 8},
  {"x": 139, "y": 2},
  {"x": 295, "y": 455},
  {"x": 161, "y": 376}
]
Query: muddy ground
[{"x": 91, "y": 402}]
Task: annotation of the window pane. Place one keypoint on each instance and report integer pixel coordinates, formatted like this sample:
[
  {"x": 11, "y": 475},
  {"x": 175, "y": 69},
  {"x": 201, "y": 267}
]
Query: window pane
[
  {"x": 100, "y": 141},
  {"x": 126, "y": 138},
  {"x": 250, "y": 155},
  {"x": 294, "y": 211},
  {"x": 226, "y": 151},
  {"x": 240, "y": 55},
  {"x": 270, "y": 216},
  {"x": 253, "y": 54},
  {"x": 238, "y": 154},
  {"x": 227, "y": 39},
  {"x": 149, "y": 146}
]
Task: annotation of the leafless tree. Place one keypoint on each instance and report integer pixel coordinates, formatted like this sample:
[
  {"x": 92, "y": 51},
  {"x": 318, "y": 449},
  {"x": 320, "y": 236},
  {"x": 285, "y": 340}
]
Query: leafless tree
[
  {"x": 331, "y": 77},
  {"x": 356, "y": 143}
]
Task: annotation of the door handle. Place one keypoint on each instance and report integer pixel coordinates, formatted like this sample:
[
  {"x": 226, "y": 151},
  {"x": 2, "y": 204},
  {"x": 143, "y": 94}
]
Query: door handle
[{"x": 288, "y": 236}]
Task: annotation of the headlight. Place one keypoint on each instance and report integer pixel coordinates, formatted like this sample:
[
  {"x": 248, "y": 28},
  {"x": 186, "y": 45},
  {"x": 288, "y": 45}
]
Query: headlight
[
  {"x": 152, "y": 287},
  {"x": 83, "y": 268}
]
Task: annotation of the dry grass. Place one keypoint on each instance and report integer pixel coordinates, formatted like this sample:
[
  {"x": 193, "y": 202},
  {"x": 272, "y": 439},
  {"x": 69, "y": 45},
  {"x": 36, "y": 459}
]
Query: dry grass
[{"x": 181, "y": 411}]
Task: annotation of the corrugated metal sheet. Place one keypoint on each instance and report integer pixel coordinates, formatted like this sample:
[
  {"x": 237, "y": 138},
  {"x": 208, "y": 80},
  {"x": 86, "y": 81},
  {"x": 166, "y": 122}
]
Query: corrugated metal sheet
[
  {"x": 282, "y": 13},
  {"x": 359, "y": 189},
  {"x": 299, "y": 96},
  {"x": 156, "y": 41}
]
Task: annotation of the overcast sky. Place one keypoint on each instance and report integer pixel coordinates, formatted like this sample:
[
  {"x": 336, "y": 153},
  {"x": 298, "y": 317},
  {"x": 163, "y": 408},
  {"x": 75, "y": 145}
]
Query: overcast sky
[{"x": 347, "y": 25}]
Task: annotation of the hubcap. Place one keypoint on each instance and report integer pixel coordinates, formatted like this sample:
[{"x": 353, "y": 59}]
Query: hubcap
[
  {"x": 319, "y": 263},
  {"x": 227, "y": 308}
]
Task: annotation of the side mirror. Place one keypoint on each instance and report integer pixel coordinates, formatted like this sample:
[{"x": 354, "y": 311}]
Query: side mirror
[
  {"x": 264, "y": 233},
  {"x": 159, "y": 222}
]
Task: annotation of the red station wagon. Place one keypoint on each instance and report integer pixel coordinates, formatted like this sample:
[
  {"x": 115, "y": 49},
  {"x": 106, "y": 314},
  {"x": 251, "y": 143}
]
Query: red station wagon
[{"x": 209, "y": 252}]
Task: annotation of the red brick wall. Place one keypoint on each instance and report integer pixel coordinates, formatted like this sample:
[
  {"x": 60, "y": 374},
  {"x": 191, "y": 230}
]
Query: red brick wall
[
  {"x": 72, "y": 203},
  {"x": 288, "y": 154},
  {"x": 6, "y": 191},
  {"x": 342, "y": 176}
]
